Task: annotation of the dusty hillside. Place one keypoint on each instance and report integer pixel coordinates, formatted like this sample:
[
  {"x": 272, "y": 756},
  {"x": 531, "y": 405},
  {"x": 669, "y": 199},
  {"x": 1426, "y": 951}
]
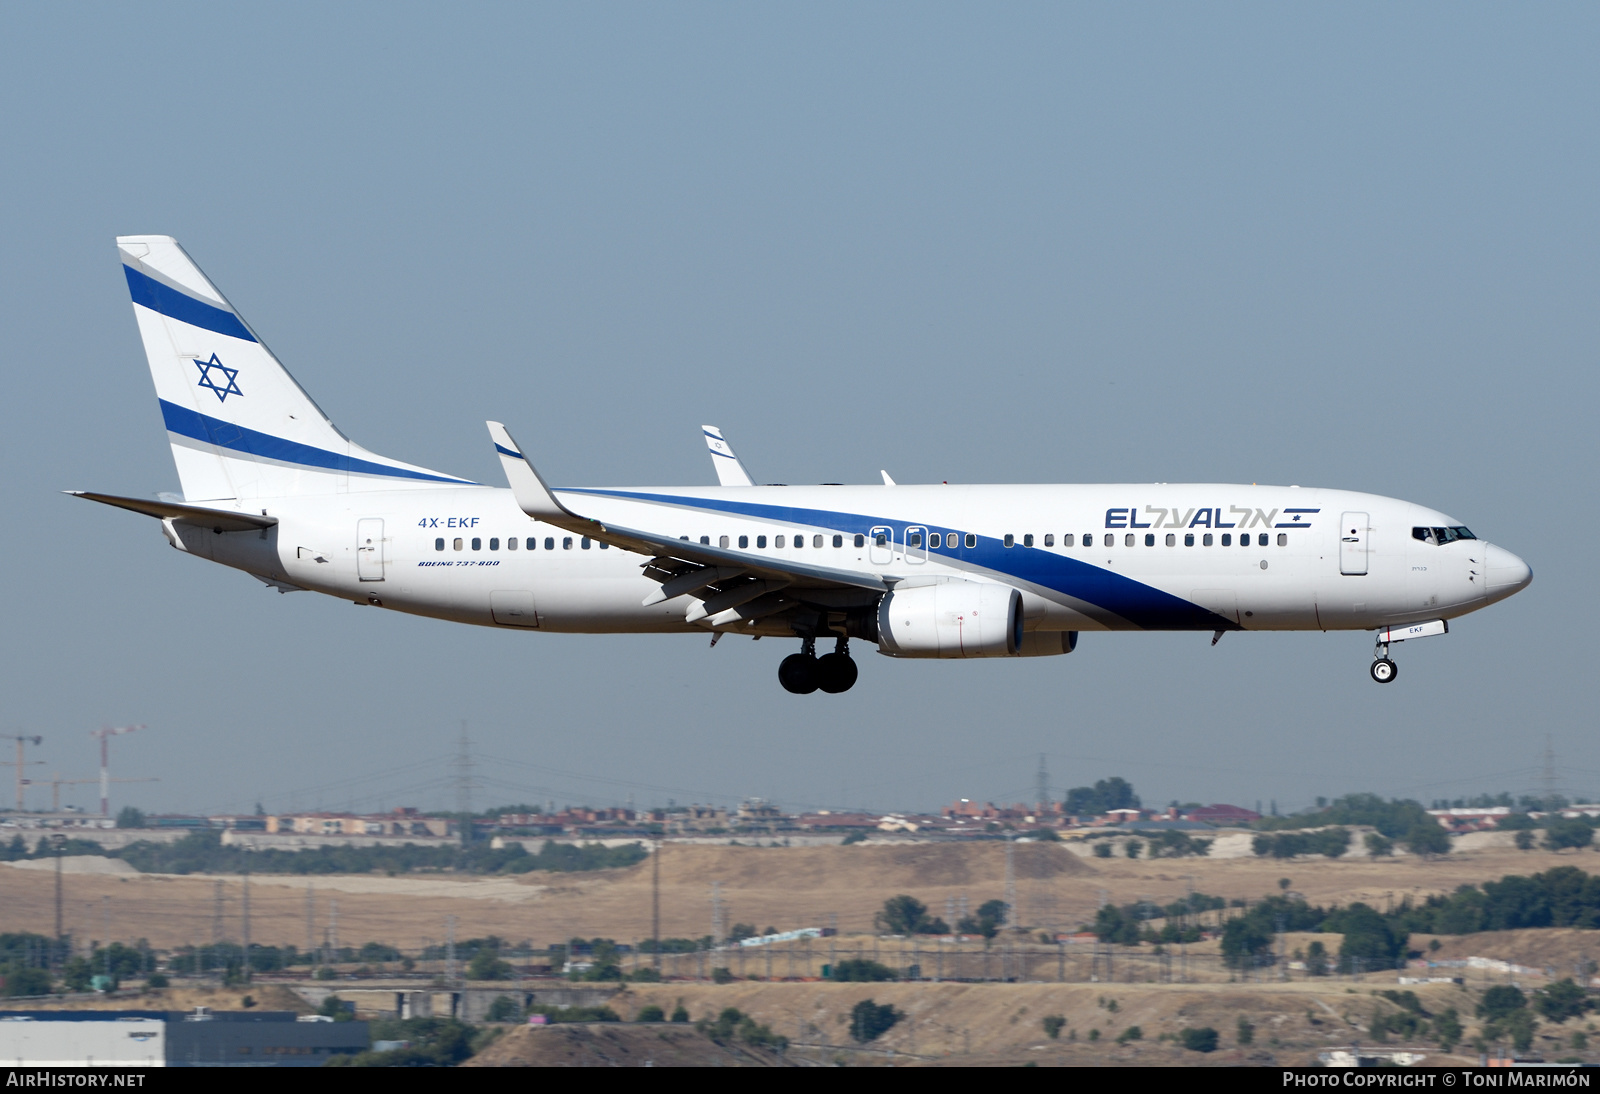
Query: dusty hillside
[
  {"x": 780, "y": 887},
  {"x": 610, "y": 1045}
]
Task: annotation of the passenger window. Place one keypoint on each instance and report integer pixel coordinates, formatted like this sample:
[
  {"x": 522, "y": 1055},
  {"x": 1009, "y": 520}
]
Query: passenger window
[
  {"x": 1227, "y": 539},
  {"x": 1261, "y": 540},
  {"x": 566, "y": 543},
  {"x": 816, "y": 541},
  {"x": 511, "y": 544},
  {"x": 1149, "y": 539},
  {"x": 584, "y": 543},
  {"x": 1188, "y": 539},
  {"x": 457, "y": 544},
  {"x": 477, "y": 544},
  {"x": 799, "y": 542},
  {"x": 438, "y": 545},
  {"x": 744, "y": 542},
  {"x": 1050, "y": 541},
  {"x": 1088, "y": 539},
  {"x": 1127, "y": 541},
  {"x": 494, "y": 544},
  {"x": 1283, "y": 539},
  {"x": 722, "y": 541},
  {"x": 952, "y": 541},
  {"x": 1010, "y": 540},
  {"x": 761, "y": 542},
  {"x": 605, "y": 546},
  {"x": 1172, "y": 539},
  {"x": 1111, "y": 539},
  {"x": 913, "y": 539},
  {"x": 705, "y": 541},
  {"x": 1207, "y": 539},
  {"x": 777, "y": 541},
  {"x": 861, "y": 540},
  {"x": 881, "y": 539},
  {"x": 972, "y": 540},
  {"x": 549, "y": 543},
  {"x": 1027, "y": 540},
  {"x": 838, "y": 541}
]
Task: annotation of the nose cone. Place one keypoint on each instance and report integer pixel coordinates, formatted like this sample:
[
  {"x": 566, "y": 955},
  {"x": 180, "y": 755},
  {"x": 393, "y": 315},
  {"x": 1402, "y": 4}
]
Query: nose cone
[{"x": 1506, "y": 574}]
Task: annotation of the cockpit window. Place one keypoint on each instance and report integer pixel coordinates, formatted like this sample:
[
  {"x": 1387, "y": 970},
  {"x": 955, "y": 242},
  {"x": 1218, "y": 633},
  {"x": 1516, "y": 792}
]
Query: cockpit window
[{"x": 1442, "y": 535}]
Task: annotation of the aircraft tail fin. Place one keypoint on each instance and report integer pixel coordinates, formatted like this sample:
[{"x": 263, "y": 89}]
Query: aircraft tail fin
[
  {"x": 239, "y": 424},
  {"x": 730, "y": 472}
]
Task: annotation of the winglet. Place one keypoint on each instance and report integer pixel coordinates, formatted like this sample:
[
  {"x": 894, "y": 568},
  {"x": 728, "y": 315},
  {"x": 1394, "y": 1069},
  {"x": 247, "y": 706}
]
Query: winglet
[
  {"x": 730, "y": 472},
  {"x": 533, "y": 496},
  {"x": 887, "y": 481}
]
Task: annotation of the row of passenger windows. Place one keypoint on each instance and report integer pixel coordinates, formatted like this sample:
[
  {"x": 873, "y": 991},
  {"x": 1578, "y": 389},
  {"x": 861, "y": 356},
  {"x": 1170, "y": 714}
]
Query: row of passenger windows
[
  {"x": 511, "y": 543},
  {"x": 951, "y": 540}
]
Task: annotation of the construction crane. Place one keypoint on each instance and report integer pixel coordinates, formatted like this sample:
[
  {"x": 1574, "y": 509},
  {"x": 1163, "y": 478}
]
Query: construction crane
[
  {"x": 20, "y": 764},
  {"x": 105, "y": 734}
]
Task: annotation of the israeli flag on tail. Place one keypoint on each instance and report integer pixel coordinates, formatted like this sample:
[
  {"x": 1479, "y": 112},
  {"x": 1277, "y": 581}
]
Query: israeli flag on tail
[
  {"x": 241, "y": 427},
  {"x": 730, "y": 472}
]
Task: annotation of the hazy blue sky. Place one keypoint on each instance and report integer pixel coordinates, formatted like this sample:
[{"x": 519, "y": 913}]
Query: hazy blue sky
[{"x": 1345, "y": 245}]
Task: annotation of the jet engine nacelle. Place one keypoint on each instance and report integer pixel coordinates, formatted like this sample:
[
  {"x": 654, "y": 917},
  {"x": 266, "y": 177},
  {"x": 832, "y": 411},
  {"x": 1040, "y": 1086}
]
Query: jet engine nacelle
[{"x": 951, "y": 619}]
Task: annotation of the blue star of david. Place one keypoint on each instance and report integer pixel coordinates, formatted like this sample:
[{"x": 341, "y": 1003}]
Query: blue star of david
[{"x": 207, "y": 368}]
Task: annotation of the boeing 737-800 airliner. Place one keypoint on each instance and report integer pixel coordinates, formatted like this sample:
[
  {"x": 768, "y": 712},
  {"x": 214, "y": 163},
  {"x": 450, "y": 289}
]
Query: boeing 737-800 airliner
[{"x": 273, "y": 488}]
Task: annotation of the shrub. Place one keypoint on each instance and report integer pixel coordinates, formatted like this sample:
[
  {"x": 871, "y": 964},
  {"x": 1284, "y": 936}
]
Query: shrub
[
  {"x": 1247, "y": 1031},
  {"x": 1501, "y": 1001},
  {"x": 869, "y": 1020},
  {"x": 861, "y": 970},
  {"x": 1203, "y": 1039},
  {"x": 650, "y": 1013},
  {"x": 680, "y": 1013},
  {"x": 1052, "y": 1024},
  {"x": 1132, "y": 1033},
  {"x": 501, "y": 1009}
]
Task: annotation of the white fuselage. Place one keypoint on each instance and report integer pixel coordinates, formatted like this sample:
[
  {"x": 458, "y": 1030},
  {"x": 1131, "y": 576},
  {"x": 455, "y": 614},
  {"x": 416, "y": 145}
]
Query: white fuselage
[{"x": 1118, "y": 557}]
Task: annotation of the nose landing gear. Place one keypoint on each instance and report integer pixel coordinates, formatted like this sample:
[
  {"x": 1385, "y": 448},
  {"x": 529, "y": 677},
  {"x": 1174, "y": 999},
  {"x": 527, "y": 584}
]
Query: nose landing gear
[
  {"x": 1383, "y": 670},
  {"x": 804, "y": 672}
]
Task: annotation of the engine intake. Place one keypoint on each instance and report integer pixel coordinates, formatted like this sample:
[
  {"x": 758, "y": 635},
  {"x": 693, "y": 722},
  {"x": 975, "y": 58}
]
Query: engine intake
[{"x": 951, "y": 619}]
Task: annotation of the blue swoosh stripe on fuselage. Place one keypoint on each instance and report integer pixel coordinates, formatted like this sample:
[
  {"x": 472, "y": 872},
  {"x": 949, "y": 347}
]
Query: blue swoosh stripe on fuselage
[
  {"x": 1138, "y": 603},
  {"x": 182, "y": 307},
  {"x": 202, "y": 427}
]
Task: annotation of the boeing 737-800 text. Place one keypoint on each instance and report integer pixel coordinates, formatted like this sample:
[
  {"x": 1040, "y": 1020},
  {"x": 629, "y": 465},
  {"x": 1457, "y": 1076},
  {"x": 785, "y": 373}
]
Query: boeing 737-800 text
[{"x": 273, "y": 488}]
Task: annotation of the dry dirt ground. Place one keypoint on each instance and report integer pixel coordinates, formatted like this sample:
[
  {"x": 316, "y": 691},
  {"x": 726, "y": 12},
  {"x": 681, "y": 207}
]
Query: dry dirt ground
[
  {"x": 611, "y": 1045},
  {"x": 779, "y": 887}
]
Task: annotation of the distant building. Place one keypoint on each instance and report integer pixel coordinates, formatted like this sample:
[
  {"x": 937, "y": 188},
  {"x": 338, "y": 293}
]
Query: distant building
[
  {"x": 401, "y": 822},
  {"x": 1471, "y": 820},
  {"x": 155, "y": 1038},
  {"x": 1223, "y": 815}
]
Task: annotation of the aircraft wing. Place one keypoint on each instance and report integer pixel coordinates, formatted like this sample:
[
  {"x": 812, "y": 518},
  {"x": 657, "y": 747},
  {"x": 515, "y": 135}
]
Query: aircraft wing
[
  {"x": 730, "y": 472},
  {"x": 222, "y": 520},
  {"x": 725, "y": 580}
]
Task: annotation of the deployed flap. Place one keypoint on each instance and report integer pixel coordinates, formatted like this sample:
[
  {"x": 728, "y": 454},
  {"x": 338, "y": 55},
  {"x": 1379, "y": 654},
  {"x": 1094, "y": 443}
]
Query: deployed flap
[
  {"x": 730, "y": 472},
  {"x": 537, "y": 500},
  {"x": 220, "y": 519}
]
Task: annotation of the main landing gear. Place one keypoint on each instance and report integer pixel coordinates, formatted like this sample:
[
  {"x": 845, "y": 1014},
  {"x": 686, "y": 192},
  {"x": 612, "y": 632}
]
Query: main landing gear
[
  {"x": 804, "y": 672},
  {"x": 1383, "y": 670}
]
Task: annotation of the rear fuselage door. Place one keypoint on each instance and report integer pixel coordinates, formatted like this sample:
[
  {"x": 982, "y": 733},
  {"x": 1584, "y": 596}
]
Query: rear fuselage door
[
  {"x": 369, "y": 549},
  {"x": 1353, "y": 533}
]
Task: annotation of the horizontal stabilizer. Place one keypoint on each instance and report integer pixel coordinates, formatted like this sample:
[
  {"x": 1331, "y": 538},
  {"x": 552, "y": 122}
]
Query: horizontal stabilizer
[{"x": 221, "y": 519}]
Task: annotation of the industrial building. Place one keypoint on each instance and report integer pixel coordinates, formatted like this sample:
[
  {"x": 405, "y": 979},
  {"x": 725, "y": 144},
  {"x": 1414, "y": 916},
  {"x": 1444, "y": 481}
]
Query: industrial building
[{"x": 155, "y": 1038}]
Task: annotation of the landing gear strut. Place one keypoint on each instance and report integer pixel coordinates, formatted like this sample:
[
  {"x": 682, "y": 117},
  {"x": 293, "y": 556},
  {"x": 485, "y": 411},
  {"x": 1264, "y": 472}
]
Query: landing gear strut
[
  {"x": 804, "y": 672},
  {"x": 1383, "y": 670}
]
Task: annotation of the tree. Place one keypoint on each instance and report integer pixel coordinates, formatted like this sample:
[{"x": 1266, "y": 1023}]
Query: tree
[
  {"x": 503, "y": 1009},
  {"x": 1370, "y": 941},
  {"x": 22, "y": 980},
  {"x": 1247, "y": 1031},
  {"x": 1447, "y": 1028},
  {"x": 486, "y": 965},
  {"x": 680, "y": 1013},
  {"x": 908, "y": 915},
  {"x": 650, "y": 1013},
  {"x": 1244, "y": 938},
  {"x": 1501, "y": 1001},
  {"x": 1567, "y": 832},
  {"x": 1428, "y": 837},
  {"x": 991, "y": 915},
  {"x": 1052, "y": 1024},
  {"x": 340, "y": 1010},
  {"x": 1104, "y": 796},
  {"x": 1523, "y": 839},
  {"x": 869, "y": 1021},
  {"x": 1203, "y": 1039},
  {"x": 1132, "y": 848},
  {"x": 1379, "y": 845},
  {"x": 130, "y": 817},
  {"x": 1561, "y": 1000}
]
